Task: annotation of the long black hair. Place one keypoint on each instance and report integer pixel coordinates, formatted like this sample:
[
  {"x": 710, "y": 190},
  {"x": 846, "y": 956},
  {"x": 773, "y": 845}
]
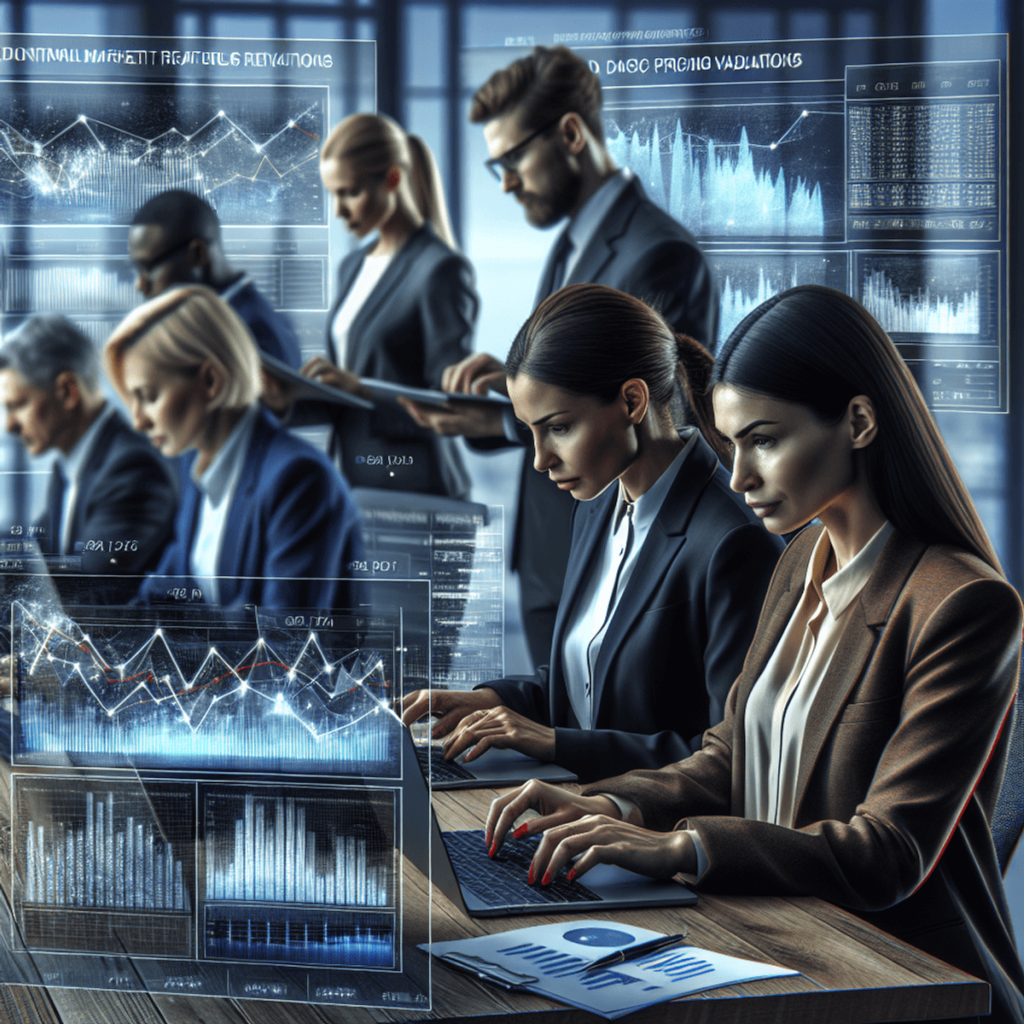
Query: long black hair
[
  {"x": 590, "y": 339},
  {"x": 819, "y": 348}
]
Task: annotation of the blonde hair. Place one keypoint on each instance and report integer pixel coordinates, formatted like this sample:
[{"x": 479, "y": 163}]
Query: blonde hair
[
  {"x": 185, "y": 327},
  {"x": 375, "y": 143}
]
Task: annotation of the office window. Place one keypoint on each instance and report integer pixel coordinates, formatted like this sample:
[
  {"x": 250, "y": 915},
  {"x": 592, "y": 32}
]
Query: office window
[{"x": 86, "y": 18}]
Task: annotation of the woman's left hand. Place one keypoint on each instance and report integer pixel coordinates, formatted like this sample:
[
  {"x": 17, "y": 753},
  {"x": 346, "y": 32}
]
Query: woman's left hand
[
  {"x": 598, "y": 839},
  {"x": 504, "y": 729}
]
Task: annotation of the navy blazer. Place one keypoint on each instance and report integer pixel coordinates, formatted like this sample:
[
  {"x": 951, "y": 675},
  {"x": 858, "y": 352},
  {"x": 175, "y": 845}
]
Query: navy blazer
[
  {"x": 677, "y": 640},
  {"x": 273, "y": 332},
  {"x": 124, "y": 510},
  {"x": 292, "y": 529},
  {"x": 640, "y": 249},
  {"x": 418, "y": 319}
]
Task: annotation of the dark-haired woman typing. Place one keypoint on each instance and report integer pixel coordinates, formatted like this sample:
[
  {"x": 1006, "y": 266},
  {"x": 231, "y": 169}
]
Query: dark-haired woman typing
[
  {"x": 667, "y": 568},
  {"x": 864, "y": 743}
]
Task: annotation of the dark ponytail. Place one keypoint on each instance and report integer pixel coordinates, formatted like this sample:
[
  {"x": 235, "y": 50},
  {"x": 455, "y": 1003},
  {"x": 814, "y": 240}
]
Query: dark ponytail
[{"x": 590, "y": 339}]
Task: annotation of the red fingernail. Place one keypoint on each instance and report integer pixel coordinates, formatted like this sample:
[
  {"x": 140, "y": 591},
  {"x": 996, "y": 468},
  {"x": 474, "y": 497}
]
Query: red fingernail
[
  {"x": 520, "y": 832},
  {"x": 493, "y": 850},
  {"x": 546, "y": 880},
  {"x": 529, "y": 877},
  {"x": 571, "y": 875}
]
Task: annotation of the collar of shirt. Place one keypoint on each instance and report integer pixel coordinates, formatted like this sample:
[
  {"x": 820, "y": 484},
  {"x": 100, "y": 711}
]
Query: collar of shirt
[
  {"x": 839, "y": 590},
  {"x": 584, "y": 225},
  {"x": 648, "y": 505},
  {"x": 73, "y": 462},
  {"x": 218, "y": 482},
  {"x": 235, "y": 287}
]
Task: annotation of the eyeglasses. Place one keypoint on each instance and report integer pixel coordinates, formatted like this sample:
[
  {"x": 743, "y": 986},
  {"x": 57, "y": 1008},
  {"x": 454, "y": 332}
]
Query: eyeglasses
[
  {"x": 511, "y": 158},
  {"x": 147, "y": 268}
]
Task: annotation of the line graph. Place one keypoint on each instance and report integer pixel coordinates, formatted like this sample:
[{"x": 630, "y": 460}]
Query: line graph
[
  {"x": 100, "y": 153},
  {"x": 758, "y": 171},
  {"x": 283, "y": 703}
]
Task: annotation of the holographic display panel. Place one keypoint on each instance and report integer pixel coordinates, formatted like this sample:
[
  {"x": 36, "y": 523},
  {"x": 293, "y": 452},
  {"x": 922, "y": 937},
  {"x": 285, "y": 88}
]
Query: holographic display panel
[
  {"x": 877, "y": 166},
  {"x": 187, "y": 688},
  {"x": 214, "y": 802},
  {"x": 99, "y": 151}
]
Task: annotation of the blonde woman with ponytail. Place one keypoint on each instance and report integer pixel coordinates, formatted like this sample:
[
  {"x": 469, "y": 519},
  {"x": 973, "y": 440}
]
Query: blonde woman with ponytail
[
  {"x": 667, "y": 567},
  {"x": 406, "y": 304}
]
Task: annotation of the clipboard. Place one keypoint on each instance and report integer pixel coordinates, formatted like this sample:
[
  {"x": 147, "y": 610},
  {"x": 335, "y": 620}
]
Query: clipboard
[{"x": 307, "y": 389}]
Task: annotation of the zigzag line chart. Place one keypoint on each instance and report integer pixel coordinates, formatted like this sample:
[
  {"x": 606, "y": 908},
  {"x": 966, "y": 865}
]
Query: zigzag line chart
[
  {"x": 99, "y": 153},
  {"x": 265, "y": 705}
]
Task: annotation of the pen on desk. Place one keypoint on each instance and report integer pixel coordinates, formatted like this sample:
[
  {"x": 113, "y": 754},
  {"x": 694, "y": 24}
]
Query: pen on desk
[{"x": 635, "y": 952}]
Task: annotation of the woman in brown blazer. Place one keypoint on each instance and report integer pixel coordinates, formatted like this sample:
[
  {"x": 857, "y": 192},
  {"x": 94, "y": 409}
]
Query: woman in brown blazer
[{"x": 864, "y": 743}]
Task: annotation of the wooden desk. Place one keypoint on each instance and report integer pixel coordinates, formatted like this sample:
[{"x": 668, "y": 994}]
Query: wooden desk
[{"x": 853, "y": 972}]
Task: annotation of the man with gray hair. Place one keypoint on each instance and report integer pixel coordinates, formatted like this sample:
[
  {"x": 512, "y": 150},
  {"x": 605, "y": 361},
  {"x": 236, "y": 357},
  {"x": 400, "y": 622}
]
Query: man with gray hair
[{"x": 111, "y": 498}]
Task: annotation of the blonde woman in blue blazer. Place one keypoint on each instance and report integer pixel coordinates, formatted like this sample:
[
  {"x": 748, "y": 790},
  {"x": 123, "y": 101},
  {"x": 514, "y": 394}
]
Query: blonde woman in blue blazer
[{"x": 264, "y": 517}]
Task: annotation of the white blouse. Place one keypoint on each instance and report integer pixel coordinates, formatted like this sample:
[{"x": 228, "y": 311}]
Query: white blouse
[
  {"x": 782, "y": 699},
  {"x": 605, "y": 580},
  {"x": 366, "y": 280}
]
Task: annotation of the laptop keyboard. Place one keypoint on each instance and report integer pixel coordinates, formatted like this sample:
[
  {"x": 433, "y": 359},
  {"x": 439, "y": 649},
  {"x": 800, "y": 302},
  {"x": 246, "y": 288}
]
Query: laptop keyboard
[
  {"x": 501, "y": 882},
  {"x": 437, "y": 769}
]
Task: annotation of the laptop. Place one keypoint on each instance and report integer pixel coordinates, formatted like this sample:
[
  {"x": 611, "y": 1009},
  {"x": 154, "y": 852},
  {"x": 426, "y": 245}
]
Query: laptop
[
  {"x": 493, "y": 768},
  {"x": 457, "y": 863}
]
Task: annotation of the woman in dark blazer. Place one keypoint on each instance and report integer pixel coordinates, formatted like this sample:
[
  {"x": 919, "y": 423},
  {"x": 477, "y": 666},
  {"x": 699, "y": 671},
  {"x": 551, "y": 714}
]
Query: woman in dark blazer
[
  {"x": 864, "y": 743},
  {"x": 406, "y": 304},
  {"x": 264, "y": 517},
  {"x": 646, "y": 646}
]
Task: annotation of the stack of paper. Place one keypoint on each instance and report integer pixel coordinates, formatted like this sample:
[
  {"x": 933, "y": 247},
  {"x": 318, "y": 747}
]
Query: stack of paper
[{"x": 549, "y": 959}]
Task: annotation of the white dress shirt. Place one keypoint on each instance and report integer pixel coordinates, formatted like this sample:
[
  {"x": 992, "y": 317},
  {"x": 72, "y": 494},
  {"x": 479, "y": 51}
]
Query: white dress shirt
[
  {"x": 217, "y": 486},
  {"x": 604, "y": 582}
]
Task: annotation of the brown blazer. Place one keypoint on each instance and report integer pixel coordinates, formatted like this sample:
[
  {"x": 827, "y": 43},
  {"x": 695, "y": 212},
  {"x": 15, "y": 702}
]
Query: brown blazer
[{"x": 900, "y": 770}]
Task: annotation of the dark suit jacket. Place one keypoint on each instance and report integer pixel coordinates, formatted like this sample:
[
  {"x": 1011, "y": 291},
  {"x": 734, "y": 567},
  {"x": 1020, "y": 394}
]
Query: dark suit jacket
[
  {"x": 679, "y": 634},
  {"x": 272, "y": 331},
  {"x": 292, "y": 527},
  {"x": 901, "y": 766},
  {"x": 641, "y": 250},
  {"x": 417, "y": 320},
  {"x": 124, "y": 511}
]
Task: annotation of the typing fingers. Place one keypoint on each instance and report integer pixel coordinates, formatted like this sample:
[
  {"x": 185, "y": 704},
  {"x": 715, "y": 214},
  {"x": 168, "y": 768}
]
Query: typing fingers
[
  {"x": 506, "y": 808},
  {"x": 471, "y": 730},
  {"x": 414, "y": 706}
]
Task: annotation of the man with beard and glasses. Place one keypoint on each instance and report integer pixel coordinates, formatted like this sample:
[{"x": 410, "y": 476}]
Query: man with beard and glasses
[{"x": 541, "y": 119}]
